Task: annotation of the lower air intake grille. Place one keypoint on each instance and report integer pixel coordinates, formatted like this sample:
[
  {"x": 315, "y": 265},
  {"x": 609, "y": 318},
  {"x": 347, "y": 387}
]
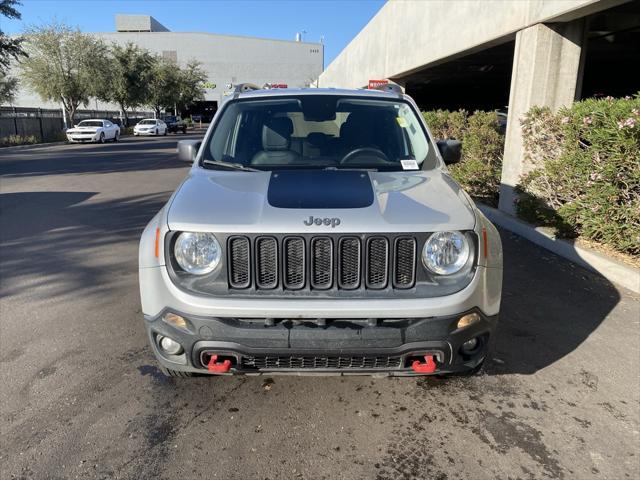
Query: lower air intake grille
[{"x": 360, "y": 362}]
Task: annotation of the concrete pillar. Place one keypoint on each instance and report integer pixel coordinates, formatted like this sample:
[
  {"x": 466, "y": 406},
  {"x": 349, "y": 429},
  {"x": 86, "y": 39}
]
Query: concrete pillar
[{"x": 547, "y": 71}]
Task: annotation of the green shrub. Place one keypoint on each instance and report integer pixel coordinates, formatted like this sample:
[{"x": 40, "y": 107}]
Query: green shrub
[
  {"x": 584, "y": 177},
  {"x": 14, "y": 140},
  {"x": 482, "y": 146}
]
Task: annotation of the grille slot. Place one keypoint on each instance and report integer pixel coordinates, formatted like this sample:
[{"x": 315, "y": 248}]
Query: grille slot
[
  {"x": 357, "y": 362},
  {"x": 377, "y": 262},
  {"x": 404, "y": 271},
  {"x": 321, "y": 263},
  {"x": 239, "y": 262},
  {"x": 349, "y": 263},
  {"x": 266, "y": 262},
  {"x": 294, "y": 268}
]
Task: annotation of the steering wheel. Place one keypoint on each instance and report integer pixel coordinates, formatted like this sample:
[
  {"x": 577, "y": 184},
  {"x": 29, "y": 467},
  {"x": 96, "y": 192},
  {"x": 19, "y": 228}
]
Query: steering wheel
[{"x": 359, "y": 152}]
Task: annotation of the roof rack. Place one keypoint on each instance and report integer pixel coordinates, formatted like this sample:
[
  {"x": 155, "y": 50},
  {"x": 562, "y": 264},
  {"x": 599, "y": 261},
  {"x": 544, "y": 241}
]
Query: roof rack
[{"x": 244, "y": 87}]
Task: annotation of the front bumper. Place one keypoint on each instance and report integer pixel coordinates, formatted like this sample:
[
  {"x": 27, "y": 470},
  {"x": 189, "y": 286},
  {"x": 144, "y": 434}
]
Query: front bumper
[
  {"x": 318, "y": 346},
  {"x": 79, "y": 138}
]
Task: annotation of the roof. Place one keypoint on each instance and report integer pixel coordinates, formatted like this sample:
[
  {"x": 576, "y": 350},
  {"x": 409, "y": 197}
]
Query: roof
[{"x": 279, "y": 92}]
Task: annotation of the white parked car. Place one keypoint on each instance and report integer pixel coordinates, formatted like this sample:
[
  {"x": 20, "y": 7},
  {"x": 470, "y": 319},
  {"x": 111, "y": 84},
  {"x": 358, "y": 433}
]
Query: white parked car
[
  {"x": 150, "y": 126},
  {"x": 94, "y": 130}
]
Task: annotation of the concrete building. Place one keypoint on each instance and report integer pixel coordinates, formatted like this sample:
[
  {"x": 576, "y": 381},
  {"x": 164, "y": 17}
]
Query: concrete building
[
  {"x": 226, "y": 59},
  {"x": 495, "y": 55}
]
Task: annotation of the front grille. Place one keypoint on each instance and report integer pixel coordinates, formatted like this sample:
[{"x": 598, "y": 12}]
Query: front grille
[
  {"x": 349, "y": 262},
  {"x": 239, "y": 264},
  {"x": 267, "y": 262},
  {"x": 349, "y": 265},
  {"x": 404, "y": 271},
  {"x": 294, "y": 269},
  {"x": 321, "y": 263},
  {"x": 359, "y": 362}
]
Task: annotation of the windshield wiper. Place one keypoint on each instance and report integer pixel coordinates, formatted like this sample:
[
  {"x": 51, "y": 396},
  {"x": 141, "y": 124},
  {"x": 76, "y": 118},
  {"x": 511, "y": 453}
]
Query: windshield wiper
[{"x": 230, "y": 165}]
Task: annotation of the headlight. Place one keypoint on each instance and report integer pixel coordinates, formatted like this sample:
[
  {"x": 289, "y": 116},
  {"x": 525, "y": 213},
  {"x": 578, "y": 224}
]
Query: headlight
[
  {"x": 197, "y": 253},
  {"x": 446, "y": 253}
]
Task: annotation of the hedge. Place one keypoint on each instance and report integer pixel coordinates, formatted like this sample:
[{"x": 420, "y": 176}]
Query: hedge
[
  {"x": 482, "y": 146},
  {"x": 584, "y": 177}
]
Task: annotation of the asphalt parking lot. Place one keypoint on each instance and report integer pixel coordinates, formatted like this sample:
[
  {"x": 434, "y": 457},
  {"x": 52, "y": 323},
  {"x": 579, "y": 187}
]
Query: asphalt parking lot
[{"x": 81, "y": 396}]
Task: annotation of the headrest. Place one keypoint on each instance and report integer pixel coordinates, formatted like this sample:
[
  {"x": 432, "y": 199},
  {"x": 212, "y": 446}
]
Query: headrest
[
  {"x": 317, "y": 139},
  {"x": 276, "y": 133}
]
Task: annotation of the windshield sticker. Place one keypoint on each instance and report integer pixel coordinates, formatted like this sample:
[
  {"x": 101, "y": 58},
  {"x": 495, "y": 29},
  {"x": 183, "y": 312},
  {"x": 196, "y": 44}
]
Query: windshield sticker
[
  {"x": 409, "y": 164},
  {"x": 402, "y": 122}
]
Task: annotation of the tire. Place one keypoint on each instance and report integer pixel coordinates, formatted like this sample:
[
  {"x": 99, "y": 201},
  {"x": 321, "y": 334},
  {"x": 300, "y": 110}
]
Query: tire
[
  {"x": 101, "y": 138},
  {"x": 116, "y": 137},
  {"x": 177, "y": 374},
  {"x": 165, "y": 132},
  {"x": 156, "y": 132}
]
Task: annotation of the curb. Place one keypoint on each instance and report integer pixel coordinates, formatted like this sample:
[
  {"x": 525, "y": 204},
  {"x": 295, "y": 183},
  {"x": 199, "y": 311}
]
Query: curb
[
  {"x": 32, "y": 145},
  {"x": 613, "y": 270}
]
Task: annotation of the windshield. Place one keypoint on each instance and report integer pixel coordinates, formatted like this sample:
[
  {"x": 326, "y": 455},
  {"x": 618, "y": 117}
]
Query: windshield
[
  {"x": 90, "y": 123},
  {"x": 320, "y": 131},
  {"x": 147, "y": 122}
]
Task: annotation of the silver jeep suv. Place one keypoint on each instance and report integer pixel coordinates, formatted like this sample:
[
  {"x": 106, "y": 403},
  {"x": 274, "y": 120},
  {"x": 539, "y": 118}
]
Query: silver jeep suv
[{"x": 319, "y": 231}]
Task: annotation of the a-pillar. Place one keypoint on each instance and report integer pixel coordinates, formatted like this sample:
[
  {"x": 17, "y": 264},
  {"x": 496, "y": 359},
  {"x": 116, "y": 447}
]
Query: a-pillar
[{"x": 547, "y": 71}]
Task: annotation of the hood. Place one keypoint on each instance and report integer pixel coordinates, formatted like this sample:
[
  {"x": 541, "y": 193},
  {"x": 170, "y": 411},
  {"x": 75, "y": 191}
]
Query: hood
[
  {"x": 83, "y": 129},
  {"x": 342, "y": 201}
]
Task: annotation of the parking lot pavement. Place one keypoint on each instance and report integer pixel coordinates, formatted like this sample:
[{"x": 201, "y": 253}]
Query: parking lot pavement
[{"x": 82, "y": 398}]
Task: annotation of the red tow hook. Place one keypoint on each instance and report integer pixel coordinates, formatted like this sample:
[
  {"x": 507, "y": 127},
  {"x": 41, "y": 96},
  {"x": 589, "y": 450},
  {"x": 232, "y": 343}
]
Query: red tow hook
[
  {"x": 428, "y": 367},
  {"x": 222, "y": 367}
]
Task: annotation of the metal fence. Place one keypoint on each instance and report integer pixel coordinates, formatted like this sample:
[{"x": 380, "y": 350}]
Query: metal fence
[{"x": 48, "y": 125}]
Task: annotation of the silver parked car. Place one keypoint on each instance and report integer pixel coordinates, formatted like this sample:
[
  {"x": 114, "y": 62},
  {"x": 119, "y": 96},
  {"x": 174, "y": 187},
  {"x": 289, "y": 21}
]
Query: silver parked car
[{"x": 319, "y": 231}]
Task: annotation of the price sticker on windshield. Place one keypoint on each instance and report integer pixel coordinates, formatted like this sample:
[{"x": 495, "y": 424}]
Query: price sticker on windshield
[{"x": 409, "y": 164}]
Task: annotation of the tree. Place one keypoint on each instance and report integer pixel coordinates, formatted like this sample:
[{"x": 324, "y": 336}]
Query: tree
[
  {"x": 191, "y": 79},
  {"x": 129, "y": 75},
  {"x": 10, "y": 49},
  {"x": 64, "y": 65},
  {"x": 163, "y": 86},
  {"x": 8, "y": 87}
]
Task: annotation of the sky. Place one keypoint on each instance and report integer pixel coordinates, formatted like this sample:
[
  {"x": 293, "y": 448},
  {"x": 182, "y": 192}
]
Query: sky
[{"x": 338, "y": 21}]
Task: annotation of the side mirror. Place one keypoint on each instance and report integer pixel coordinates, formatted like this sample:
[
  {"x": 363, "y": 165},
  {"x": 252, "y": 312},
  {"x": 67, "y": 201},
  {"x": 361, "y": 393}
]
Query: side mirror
[
  {"x": 451, "y": 150},
  {"x": 188, "y": 149}
]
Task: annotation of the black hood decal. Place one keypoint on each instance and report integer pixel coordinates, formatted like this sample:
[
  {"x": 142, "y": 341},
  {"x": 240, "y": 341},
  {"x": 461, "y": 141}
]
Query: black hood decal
[{"x": 320, "y": 189}]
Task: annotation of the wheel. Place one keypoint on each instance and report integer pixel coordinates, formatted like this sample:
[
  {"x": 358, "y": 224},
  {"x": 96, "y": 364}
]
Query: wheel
[
  {"x": 116, "y": 137},
  {"x": 165, "y": 132},
  {"x": 176, "y": 374},
  {"x": 101, "y": 138}
]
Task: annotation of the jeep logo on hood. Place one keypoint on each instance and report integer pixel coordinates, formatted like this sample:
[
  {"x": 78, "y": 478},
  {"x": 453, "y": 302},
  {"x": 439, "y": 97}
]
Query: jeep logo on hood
[{"x": 333, "y": 222}]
